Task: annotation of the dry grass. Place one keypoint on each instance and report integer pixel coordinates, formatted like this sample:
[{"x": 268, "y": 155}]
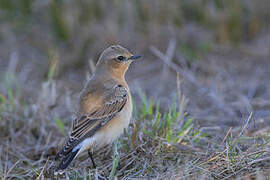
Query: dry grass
[
  {"x": 159, "y": 144},
  {"x": 201, "y": 93}
]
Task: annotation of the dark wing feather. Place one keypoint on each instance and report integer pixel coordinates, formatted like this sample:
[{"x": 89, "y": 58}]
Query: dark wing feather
[{"x": 87, "y": 126}]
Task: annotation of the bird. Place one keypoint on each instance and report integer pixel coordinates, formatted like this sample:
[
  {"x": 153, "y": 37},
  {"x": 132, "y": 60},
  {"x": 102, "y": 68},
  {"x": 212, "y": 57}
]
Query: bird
[{"x": 105, "y": 107}]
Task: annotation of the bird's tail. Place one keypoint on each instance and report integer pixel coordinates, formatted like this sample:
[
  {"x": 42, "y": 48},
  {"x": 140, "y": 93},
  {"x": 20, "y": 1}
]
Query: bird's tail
[
  {"x": 59, "y": 155},
  {"x": 67, "y": 159}
]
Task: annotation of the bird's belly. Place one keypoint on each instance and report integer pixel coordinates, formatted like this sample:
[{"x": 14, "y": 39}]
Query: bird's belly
[
  {"x": 114, "y": 128},
  {"x": 110, "y": 131}
]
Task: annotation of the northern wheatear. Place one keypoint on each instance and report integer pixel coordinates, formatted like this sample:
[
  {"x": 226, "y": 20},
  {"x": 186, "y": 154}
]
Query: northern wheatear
[{"x": 105, "y": 107}]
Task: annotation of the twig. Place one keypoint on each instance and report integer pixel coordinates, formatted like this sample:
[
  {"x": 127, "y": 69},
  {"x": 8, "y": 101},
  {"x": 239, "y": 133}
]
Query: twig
[
  {"x": 245, "y": 126},
  {"x": 229, "y": 131},
  {"x": 191, "y": 78},
  {"x": 165, "y": 69},
  {"x": 169, "y": 56},
  {"x": 181, "y": 100},
  {"x": 259, "y": 160},
  {"x": 43, "y": 169},
  {"x": 174, "y": 66},
  {"x": 11, "y": 169}
]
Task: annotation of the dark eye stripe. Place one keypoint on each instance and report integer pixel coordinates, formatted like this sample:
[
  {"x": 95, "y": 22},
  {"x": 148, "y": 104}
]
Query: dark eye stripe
[{"x": 120, "y": 58}]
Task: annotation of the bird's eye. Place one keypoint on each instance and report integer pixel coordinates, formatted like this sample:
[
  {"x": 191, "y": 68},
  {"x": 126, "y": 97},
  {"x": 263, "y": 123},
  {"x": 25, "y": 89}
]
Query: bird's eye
[{"x": 120, "y": 58}]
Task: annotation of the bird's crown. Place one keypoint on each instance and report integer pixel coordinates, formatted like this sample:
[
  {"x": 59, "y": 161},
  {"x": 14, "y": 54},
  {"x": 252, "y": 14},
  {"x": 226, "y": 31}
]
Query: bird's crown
[
  {"x": 115, "y": 52},
  {"x": 116, "y": 60}
]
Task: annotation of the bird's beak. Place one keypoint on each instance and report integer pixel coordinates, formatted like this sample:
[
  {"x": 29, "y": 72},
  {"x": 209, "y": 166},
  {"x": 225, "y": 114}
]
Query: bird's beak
[{"x": 133, "y": 57}]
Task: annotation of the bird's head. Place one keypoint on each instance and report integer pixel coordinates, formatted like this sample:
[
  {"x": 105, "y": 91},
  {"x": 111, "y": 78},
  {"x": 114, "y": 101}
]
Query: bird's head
[{"x": 116, "y": 60}]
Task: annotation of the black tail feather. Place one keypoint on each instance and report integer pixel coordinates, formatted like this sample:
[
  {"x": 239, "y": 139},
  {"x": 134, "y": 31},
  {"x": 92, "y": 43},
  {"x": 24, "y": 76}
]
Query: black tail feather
[
  {"x": 59, "y": 155},
  {"x": 69, "y": 145},
  {"x": 67, "y": 160}
]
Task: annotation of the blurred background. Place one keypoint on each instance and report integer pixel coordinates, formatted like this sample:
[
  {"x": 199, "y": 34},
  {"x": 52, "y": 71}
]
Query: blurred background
[
  {"x": 225, "y": 45},
  {"x": 220, "y": 49}
]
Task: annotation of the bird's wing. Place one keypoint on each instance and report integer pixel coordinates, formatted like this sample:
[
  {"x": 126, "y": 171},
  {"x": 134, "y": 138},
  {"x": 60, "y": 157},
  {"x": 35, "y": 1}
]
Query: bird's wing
[{"x": 86, "y": 126}]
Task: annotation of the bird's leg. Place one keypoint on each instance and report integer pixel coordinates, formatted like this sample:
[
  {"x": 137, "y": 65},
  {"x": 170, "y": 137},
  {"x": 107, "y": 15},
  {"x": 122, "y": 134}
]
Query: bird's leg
[{"x": 92, "y": 159}]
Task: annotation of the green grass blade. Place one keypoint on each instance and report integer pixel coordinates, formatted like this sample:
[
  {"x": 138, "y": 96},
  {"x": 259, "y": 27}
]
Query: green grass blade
[
  {"x": 115, "y": 160},
  {"x": 60, "y": 126},
  {"x": 11, "y": 97},
  {"x": 156, "y": 123}
]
